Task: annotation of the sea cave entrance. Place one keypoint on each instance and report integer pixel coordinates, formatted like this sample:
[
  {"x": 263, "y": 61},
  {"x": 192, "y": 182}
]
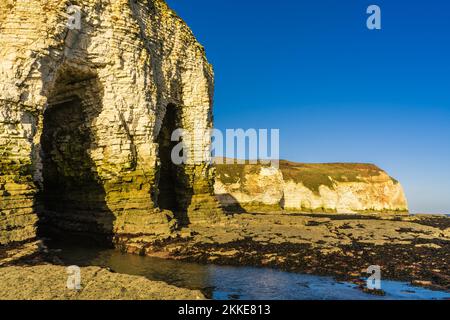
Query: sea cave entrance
[
  {"x": 168, "y": 180},
  {"x": 71, "y": 201}
]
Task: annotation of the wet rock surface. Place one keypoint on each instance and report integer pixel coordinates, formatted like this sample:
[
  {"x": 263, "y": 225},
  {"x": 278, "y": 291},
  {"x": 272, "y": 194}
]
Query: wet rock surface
[
  {"x": 410, "y": 248},
  {"x": 49, "y": 282},
  {"x": 414, "y": 249}
]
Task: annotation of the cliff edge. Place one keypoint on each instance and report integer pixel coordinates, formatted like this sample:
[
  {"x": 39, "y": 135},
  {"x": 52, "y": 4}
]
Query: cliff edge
[{"x": 301, "y": 187}]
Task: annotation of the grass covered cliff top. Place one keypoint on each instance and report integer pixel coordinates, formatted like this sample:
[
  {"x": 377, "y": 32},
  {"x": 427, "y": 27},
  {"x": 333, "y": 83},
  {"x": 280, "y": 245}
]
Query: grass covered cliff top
[{"x": 312, "y": 175}]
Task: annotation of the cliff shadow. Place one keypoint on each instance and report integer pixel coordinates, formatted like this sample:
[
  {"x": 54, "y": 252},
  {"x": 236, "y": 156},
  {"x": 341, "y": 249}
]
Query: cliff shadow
[{"x": 230, "y": 204}]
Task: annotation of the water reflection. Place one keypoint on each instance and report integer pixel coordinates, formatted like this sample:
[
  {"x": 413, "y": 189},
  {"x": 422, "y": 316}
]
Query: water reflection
[{"x": 225, "y": 283}]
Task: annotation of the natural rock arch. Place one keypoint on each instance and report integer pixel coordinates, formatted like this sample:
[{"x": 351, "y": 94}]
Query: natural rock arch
[
  {"x": 72, "y": 196},
  {"x": 129, "y": 61}
]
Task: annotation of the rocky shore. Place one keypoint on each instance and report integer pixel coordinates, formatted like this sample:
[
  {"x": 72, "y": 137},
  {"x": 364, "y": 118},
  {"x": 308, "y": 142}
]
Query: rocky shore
[
  {"x": 415, "y": 249},
  {"x": 86, "y": 119},
  {"x": 49, "y": 282},
  {"x": 407, "y": 248}
]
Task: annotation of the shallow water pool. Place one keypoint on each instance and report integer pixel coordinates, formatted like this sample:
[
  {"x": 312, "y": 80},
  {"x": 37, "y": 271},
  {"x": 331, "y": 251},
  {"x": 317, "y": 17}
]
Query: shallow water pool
[{"x": 234, "y": 283}]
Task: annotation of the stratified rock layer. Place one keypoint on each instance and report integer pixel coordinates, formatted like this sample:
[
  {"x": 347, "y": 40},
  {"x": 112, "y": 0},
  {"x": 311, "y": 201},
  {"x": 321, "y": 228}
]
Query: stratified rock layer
[
  {"x": 296, "y": 187},
  {"x": 83, "y": 119}
]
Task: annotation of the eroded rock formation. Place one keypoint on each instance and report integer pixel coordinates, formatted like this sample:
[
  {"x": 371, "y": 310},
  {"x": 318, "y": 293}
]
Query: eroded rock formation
[
  {"x": 296, "y": 187},
  {"x": 86, "y": 116}
]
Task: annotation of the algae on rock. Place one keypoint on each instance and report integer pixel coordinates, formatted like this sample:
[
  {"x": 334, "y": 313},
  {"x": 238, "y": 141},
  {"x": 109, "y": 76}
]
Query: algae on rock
[{"x": 82, "y": 113}]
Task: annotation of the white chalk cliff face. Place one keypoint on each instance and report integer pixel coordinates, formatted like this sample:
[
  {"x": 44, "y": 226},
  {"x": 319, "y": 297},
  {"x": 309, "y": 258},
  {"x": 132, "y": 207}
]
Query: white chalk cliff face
[
  {"x": 252, "y": 187},
  {"x": 86, "y": 116},
  {"x": 295, "y": 187}
]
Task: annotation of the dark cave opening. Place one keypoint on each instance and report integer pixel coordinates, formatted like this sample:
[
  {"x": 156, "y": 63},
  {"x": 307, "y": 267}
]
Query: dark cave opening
[
  {"x": 72, "y": 200},
  {"x": 167, "y": 197}
]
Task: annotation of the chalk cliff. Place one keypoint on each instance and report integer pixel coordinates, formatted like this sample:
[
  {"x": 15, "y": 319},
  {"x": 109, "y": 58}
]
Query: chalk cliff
[
  {"x": 298, "y": 187},
  {"x": 86, "y": 116}
]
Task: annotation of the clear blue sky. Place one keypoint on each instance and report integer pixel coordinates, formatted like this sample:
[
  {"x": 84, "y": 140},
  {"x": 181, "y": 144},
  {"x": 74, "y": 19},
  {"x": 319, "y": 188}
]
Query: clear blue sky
[{"x": 337, "y": 91}]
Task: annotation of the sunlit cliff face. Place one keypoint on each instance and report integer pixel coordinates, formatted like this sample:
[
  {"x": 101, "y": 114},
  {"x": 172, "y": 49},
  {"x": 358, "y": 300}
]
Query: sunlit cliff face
[{"x": 84, "y": 118}]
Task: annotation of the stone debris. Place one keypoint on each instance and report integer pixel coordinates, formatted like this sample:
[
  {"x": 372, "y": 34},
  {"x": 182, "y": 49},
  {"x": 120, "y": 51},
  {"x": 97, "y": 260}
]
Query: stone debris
[{"x": 407, "y": 248}]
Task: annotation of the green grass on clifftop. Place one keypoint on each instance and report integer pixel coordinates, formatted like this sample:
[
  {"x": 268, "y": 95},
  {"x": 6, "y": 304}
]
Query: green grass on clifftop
[{"x": 312, "y": 175}]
